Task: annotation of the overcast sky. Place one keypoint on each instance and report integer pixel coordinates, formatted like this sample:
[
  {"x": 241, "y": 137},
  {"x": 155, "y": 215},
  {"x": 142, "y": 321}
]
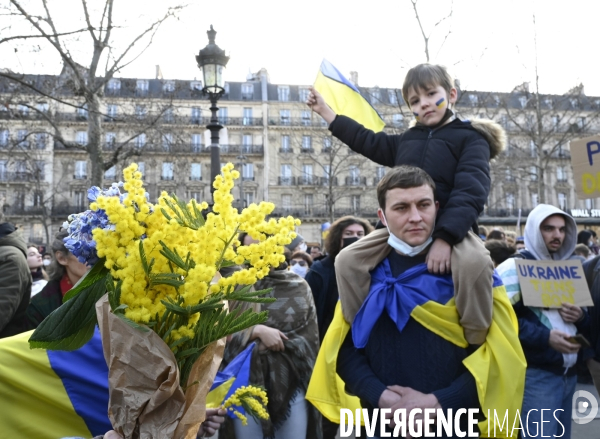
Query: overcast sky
[{"x": 490, "y": 46}]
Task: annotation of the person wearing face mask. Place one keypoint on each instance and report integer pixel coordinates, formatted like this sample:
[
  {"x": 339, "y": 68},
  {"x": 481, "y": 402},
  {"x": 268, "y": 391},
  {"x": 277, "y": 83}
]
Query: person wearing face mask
[
  {"x": 300, "y": 263},
  {"x": 321, "y": 278},
  {"x": 403, "y": 344},
  {"x": 47, "y": 259}
]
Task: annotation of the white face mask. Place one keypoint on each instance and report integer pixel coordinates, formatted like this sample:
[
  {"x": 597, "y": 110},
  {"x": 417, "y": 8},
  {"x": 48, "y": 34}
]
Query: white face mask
[
  {"x": 299, "y": 270},
  {"x": 404, "y": 248},
  {"x": 302, "y": 247},
  {"x": 46, "y": 262}
]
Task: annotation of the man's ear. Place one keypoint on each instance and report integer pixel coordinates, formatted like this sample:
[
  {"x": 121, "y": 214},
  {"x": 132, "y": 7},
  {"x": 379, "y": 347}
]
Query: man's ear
[
  {"x": 453, "y": 96},
  {"x": 381, "y": 216}
]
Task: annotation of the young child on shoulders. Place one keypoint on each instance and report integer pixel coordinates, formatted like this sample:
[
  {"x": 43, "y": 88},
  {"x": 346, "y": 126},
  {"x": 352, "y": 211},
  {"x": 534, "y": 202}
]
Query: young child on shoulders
[{"x": 456, "y": 155}]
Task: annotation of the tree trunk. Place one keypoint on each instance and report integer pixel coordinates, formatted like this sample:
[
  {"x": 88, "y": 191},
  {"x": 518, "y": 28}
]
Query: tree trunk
[{"x": 94, "y": 146}]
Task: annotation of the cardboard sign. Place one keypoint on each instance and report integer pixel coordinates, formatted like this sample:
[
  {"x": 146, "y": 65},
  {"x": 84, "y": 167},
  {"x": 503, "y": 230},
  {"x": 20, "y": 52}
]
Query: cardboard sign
[
  {"x": 585, "y": 160},
  {"x": 547, "y": 284}
]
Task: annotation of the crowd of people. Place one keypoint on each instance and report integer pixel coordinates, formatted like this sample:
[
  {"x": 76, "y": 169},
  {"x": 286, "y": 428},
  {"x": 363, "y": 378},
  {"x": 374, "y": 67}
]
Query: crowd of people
[{"x": 427, "y": 259}]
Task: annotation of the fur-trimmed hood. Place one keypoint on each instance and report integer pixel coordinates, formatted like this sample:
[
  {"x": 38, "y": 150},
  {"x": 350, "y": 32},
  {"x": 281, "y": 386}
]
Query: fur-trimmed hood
[{"x": 493, "y": 133}]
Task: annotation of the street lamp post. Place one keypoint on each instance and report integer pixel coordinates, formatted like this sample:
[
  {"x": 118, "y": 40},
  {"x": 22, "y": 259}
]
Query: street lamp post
[{"x": 212, "y": 60}]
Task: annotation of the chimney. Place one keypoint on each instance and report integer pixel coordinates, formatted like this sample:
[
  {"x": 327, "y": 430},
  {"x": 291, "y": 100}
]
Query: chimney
[
  {"x": 354, "y": 78},
  {"x": 159, "y": 74}
]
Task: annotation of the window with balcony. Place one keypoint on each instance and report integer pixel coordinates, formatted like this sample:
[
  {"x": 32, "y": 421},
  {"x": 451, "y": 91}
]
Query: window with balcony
[
  {"x": 392, "y": 97},
  {"x": 355, "y": 204},
  {"x": 39, "y": 170},
  {"x": 80, "y": 199},
  {"x": 398, "y": 120},
  {"x": 562, "y": 201},
  {"x": 510, "y": 200},
  {"x": 167, "y": 141},
  {"x": 114, "y": 84},
  {"x": 141, "y": 86},
  {"x": 140, "y": 140},
  {"x": 142, "y": 169},
  {"x": 38, "y": 198},
  {"x": 82, "y": 112},
  {"x": 23, "y": 109},
  {"x": 196, "y": 172},
  {"x": 196, "y": 142},
  {"x": 111, "y": 140},
  {"x": 110, "y": 173},
  {"x": 112, "y": 111},
  {"x": 326, "y": 174},
  {"x": 285, "y": 176},
  {"x": 306, "y": 144},
  {"x": 306, "y": 117},
  {"x": 80, "y": 170},
  {"x": 581, "y": 122},
  {"x": 196, "y": 195},
  {"x": 22, "y": 171},
  {"x": 308, "y": 204},
  {"x": 41, "y": 140},
  {"x": 473, "y": 100},
  {"x": 284, "y": 117},
  {"x": 167, "y": 171},
  {"x": 22, "y": 138},
  {"x": 248, "y": 198},
  {"x": 248, "y": 172},
  {"x": 307, "y": 174},
  {"x": 533, "y": 173},
  {"x": 247, "y": 143},
  {"x": 574, "y": 103},
  {"x": 196, "y": 115},
  {"x": 326, "y": 144},
  {"x": 508, "y": 175},
  {"x": 247, "y": 91},
  {"x": 4, "y": 138},
  {"x": 533, "y": 151},
  {"x": 283, "y": 93},
  {"x": 223, "y": 115},
  {"x": 303, "y": 94},
  {"x": 81, "y": 138},
  {"x": 141, "y": 111},
  {"x": 3, "y": 170},
  {"x": 375, "y": 96},
  {"x": 167, "y": 115},
  {"x": 247, "y": 119},
  {"x": 196, "y": 85},
  {"x": 42, "y": 107},
  {"x": 590, "y": 204},
  {"x": 353, "y": 175},
  {"x": 285, "y": 144},
  {"x": 379, "y": 173},
  {"x": 523, "y": 101},
  {"x": 169, "y": 86},
  {"x": 561, "y": 174},
  {"x": 534, "y": 199}
]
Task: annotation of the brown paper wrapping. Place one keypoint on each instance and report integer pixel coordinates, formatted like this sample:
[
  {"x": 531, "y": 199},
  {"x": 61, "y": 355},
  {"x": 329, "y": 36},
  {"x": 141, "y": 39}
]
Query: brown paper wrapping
[{"x": 145, "y": 398}]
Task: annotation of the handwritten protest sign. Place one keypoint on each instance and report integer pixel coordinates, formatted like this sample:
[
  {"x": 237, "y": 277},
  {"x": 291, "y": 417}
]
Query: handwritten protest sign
[
  {"x": 585, "y": 159},
  {"x": 548, "y": 284}
]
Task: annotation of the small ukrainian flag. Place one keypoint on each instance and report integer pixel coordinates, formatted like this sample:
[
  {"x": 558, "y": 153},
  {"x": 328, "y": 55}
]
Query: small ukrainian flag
[{"x": 344, "y": 98}]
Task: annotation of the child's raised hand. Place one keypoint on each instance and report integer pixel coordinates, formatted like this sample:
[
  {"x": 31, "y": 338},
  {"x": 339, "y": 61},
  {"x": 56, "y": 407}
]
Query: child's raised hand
[
  {"x": 438, "y": 258},
  {"x": 316, "y": 103}
]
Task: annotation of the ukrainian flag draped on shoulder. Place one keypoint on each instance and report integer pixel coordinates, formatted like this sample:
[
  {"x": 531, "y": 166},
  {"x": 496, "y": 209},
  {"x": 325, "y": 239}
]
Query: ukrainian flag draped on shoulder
[
  {"x": 52, "y": 394},
  {"x": 498, "y": 366},
  {"x": 344, "y": 98}
]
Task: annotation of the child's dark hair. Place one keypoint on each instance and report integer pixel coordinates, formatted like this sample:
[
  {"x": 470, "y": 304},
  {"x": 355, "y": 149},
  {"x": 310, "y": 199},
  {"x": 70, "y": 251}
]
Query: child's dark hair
[
  {"x": 403, "y": 177},
  {"x": 425, "y": 76}
]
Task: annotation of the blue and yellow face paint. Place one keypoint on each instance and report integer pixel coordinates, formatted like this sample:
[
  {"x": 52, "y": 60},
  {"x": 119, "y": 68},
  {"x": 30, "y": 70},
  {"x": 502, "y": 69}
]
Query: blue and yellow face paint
[
  {"x": 416, "y": 115},
  {"x": 441, "y": 103}
]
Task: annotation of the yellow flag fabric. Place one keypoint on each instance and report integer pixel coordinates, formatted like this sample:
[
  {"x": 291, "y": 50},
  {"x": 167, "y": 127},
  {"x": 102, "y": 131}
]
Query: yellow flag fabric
[
  {"x": 498, "y": 366},
  {"x": 344, "y": 98}
]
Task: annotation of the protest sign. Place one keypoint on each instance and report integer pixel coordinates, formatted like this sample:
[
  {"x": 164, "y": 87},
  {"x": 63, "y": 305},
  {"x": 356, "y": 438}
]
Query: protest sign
[
  {"x": 548, "y": 284},
  {"x": 585, "y": 160}
]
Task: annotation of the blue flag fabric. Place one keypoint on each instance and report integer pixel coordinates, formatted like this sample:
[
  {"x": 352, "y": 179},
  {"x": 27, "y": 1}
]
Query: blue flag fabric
[{"x": 398, "y": 296}]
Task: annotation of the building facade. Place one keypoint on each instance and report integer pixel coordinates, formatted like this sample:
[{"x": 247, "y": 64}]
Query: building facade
[{"x": 283, "y": 150}]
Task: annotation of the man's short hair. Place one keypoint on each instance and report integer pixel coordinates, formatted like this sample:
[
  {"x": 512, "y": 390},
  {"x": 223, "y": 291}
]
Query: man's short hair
[
  {"x": 499, "y": 250},
  {"x": 402, "y": 177},
  {"x": 424, "y": 76},
  {"x": 582, "y": 249}
]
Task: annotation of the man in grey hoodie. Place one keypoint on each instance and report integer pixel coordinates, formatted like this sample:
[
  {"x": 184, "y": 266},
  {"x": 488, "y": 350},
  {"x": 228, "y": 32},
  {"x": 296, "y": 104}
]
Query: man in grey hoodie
[
  {"x": 551, "y": 377},
  {"x": 15, "y": 280}
]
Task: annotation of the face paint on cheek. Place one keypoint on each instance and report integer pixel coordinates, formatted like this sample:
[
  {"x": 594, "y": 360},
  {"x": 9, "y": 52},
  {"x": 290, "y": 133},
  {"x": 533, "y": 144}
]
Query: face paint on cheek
[
  {"x": 416, "y": 115},
  {"x": 441, "y": 103}
]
